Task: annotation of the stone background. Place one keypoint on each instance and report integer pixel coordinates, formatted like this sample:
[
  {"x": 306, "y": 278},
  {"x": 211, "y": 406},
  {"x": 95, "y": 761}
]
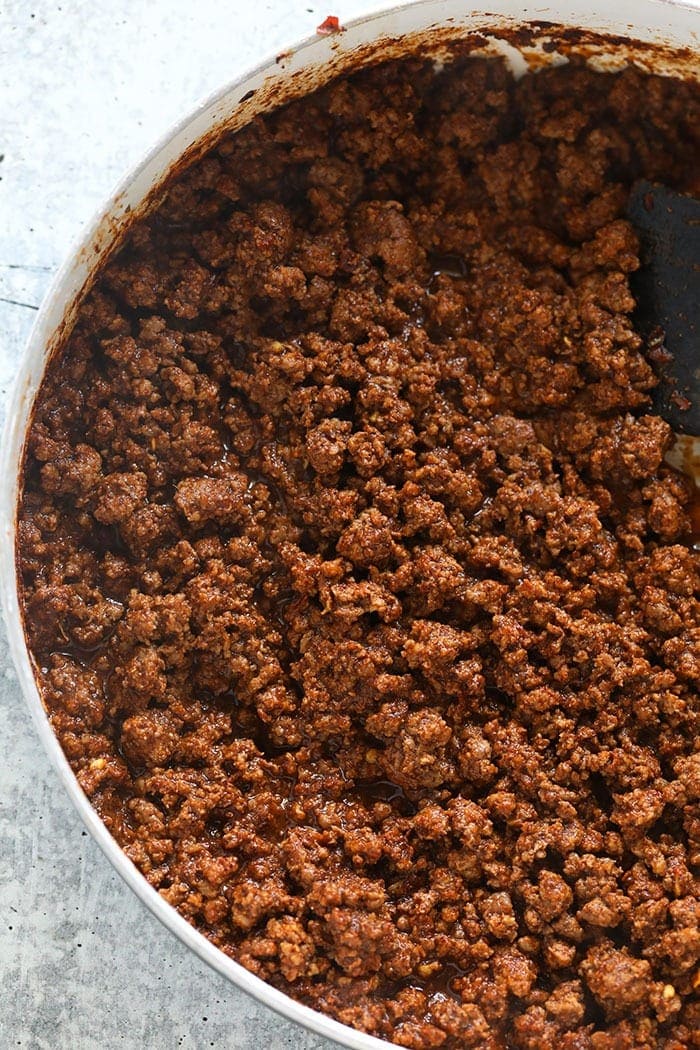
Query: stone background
[{"x": 86, "y": 86}]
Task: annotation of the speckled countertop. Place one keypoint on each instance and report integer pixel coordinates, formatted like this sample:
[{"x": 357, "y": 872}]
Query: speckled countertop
[{"x": 86, "y": 86}]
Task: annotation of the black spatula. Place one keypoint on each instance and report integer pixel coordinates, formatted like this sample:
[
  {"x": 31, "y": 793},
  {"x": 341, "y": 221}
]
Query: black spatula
[{"x": 667, "y": 290}]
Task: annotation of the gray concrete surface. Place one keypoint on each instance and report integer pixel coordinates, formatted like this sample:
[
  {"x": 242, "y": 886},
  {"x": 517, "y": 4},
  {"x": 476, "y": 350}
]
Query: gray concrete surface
[{"x": 85, "y": 87}]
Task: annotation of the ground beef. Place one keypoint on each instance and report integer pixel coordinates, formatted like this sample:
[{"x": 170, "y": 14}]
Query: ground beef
[{"x": 362, "y": 600}]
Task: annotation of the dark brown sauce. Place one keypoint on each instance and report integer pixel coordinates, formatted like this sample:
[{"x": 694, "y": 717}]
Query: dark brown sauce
[
  {"x": 694, "y": 516},
  {"x": 371, "y": 791},
  {"x": 439, "y": 985},
  {"x": 445, "y": 264},
  {"x": 448, "y": 264}
]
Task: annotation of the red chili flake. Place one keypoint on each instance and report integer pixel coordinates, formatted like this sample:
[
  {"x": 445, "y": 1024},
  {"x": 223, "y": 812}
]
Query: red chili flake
[
  {"x": 659, "y": 355},
  {"x": 682, "y": 403},
  {"x": 657, "y": 352},
  {"x": 330, "y": 25}
]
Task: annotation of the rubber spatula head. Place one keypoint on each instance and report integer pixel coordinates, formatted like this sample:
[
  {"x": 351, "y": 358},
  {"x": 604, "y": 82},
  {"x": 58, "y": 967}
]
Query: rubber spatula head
[{"x": 667, "y": 290}]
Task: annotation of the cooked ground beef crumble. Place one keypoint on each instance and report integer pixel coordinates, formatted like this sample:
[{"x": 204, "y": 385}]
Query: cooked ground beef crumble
[{"x": 362, "y": 600}]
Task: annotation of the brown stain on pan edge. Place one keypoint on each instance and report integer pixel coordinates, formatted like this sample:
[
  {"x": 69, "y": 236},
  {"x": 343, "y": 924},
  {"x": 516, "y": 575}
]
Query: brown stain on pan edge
[{"x": 539, "y": 43}]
